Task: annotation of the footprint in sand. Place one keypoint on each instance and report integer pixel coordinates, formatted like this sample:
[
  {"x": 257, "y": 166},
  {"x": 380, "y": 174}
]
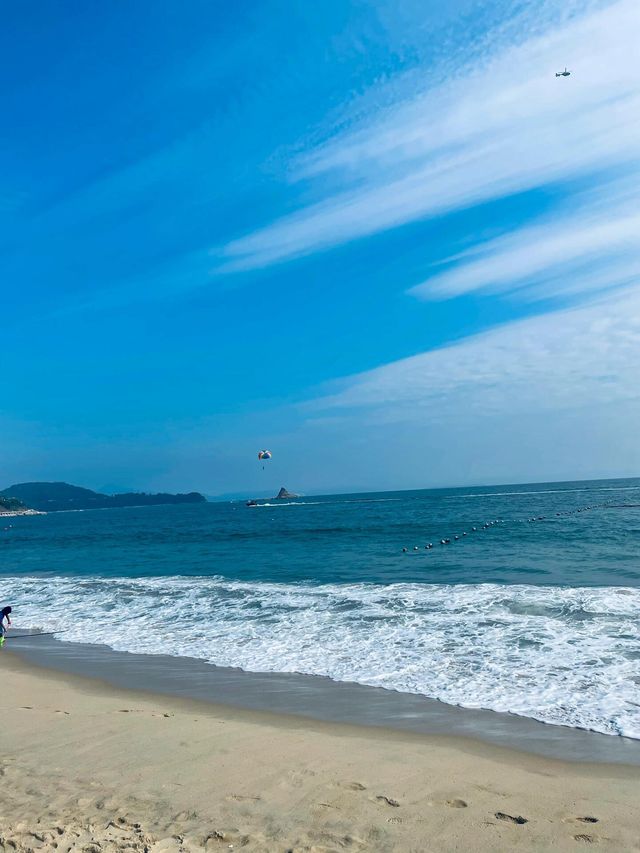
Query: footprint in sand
[
  {"x": 184, "y": 816},
  {"x": 388, "y": 800},
  {"x": 239, "y": 798},
  {"x": 216, "y": 835},
  {"x": 296, "y": 777},
  {"x": 511, "y": 818},
  {"x": 586, "y": 839},
  {"x": 581, "y": 819},
  {"x": 489, "y": 790},
  {"x": 326, "y": 806},
  {"x": 454, "y": 803},
  {"x": 354, "y": 786}
]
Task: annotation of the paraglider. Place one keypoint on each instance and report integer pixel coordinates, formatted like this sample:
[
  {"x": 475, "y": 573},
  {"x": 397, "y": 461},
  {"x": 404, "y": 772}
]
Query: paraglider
[{"x": 264, "y": 456}]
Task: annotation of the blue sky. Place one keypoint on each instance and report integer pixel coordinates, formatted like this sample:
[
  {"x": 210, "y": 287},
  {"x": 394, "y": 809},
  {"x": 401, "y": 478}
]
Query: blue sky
[{"x": 379, "y": 238}]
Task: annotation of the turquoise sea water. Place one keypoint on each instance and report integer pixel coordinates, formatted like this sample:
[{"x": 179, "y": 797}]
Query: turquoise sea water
[{"x": 537, "y": 617}]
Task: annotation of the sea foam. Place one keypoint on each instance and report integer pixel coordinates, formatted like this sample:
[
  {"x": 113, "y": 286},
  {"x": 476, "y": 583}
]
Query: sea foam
[{"x": 562, "y": 655}]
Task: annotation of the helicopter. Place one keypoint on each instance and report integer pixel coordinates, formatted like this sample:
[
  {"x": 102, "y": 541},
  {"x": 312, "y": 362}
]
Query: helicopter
[{"x": 564, "y": 73}]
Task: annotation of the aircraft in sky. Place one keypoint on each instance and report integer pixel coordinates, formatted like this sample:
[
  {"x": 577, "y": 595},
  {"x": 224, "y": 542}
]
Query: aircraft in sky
[{"x": 564, "y": 73}]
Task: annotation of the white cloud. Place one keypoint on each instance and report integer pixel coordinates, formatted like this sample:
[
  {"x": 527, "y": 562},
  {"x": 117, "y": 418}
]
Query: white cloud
[
  {"x": 583, "y": 247},
  {"x": 501, "y": 127},
  {"x": 576, "y": 358}
]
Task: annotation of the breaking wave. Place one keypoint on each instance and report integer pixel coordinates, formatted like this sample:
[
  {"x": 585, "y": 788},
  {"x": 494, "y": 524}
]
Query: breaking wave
[{"x": 563, "y": 655}]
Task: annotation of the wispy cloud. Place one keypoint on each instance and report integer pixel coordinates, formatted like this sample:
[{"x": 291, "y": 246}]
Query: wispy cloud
[
  {"x": 587, "y": 245},
  {"x": 500, "y": 127},
  {"x": 569, "y": 359}
]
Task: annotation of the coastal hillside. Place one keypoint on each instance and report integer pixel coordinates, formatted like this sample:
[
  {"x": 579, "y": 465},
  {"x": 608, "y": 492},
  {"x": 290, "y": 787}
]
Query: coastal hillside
[
  {"x": 11, "y": 505},
  {"x": 55, "y": 497}
]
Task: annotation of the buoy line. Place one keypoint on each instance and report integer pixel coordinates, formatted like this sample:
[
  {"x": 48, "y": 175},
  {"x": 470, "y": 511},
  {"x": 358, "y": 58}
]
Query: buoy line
[
  {"x": 567, "y": 512},
  {"x": 448, "y": 539},
  {"x": 487, "y": 524}
]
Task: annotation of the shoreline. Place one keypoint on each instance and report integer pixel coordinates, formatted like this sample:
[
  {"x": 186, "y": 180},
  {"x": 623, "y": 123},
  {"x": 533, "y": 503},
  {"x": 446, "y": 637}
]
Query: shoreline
[
  {"x": 314, "y": 698},
  {"x": 89, "y": 766}
]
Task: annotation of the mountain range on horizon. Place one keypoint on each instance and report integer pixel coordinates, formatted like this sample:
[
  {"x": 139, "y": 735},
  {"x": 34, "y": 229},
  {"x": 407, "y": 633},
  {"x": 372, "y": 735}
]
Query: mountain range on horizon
[{"x": 59, "y": 496}]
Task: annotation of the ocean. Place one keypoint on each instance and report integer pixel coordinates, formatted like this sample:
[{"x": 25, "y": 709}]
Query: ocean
[{"x": 536, "y": 611}]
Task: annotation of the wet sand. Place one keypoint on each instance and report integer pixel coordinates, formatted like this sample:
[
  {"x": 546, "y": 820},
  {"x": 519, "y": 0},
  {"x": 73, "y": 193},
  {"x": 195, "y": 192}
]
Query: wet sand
[
  {"x": 94, "y": 767},
  {"x": 321, "y": 699}
]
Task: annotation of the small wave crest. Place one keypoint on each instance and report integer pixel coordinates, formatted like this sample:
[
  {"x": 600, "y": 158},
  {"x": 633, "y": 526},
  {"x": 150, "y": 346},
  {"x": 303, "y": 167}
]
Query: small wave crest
[
  {"x": 569, "y": 656},
  {"x": 525, "y": 493},
  {"x": 288, "y": 503},
  {"x": 328, "y": 503}
]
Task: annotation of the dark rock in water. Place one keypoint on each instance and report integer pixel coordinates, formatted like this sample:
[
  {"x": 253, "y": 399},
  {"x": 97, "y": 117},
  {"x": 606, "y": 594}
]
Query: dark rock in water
[{"x": 283, "y": 494}]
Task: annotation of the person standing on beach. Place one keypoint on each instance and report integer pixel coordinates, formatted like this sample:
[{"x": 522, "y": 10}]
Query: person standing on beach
[{"x": 4, "y": 614}]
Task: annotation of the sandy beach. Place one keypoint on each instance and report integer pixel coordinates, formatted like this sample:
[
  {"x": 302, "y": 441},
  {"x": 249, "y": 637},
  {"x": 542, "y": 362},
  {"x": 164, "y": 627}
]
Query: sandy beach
[{"x": 90, "y": 767}]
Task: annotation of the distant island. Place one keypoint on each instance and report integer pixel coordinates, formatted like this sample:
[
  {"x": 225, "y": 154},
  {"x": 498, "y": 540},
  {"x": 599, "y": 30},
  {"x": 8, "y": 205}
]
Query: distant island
[
  {"x": 57, "y": 497},
  {"x": 283, "y": 494}
]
